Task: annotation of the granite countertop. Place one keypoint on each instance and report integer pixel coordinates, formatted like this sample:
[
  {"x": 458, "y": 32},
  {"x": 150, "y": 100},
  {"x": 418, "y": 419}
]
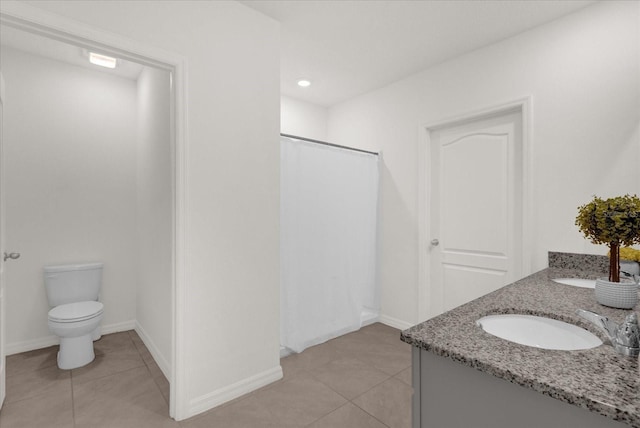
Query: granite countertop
[{"x": 597, "y": 379}]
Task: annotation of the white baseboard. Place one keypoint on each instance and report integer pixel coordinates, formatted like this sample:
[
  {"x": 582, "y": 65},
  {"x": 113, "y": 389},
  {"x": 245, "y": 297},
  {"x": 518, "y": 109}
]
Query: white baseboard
[
  {"x": 394, "y": 322},
  {"x": 162, "y": 362},
  {"x": 30, "y": 345},
  {"x": 118, "y": 327},
  {"x": 285, "y": 352},
  {"x": 228, "y": 393},
  {"x": 369, "y": 317},
  {"x": 51, "y": 340}
]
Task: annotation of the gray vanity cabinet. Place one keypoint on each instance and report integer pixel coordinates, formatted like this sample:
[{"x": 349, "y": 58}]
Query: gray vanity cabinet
[{"x": 448, "y": 394}]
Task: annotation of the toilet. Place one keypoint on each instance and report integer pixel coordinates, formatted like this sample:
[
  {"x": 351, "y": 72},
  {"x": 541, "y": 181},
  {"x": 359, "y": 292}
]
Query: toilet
[{"x": 76, "y": 314}]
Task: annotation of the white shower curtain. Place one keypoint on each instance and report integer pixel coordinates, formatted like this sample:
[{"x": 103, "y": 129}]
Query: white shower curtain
[{"x": 328, "y": 212}]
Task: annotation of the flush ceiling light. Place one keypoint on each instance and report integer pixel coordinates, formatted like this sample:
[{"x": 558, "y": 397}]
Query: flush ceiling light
[
  {"x": 102, "y": 60},
  {"x": 304, "y": 83}
]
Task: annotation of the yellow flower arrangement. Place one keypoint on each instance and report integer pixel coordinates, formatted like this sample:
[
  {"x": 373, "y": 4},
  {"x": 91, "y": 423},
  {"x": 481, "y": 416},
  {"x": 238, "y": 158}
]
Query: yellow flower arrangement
[
  {"x": 614, "y": 222},
  {"x": 628, "y": 253}
]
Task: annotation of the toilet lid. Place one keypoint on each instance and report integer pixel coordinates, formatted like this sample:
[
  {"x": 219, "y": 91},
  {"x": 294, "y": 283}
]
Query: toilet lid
[{"x": 73, "y": 312}]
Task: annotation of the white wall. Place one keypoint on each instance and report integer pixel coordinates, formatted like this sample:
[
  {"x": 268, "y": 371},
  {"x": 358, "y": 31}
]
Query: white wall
[
  {"x": 154, "y": 215},
  {"x": 303, "y": 119},
  {"x": 231, "y": 313},
  {"x": 582, "y": 72},
  {"x": 70, "y": 155}
]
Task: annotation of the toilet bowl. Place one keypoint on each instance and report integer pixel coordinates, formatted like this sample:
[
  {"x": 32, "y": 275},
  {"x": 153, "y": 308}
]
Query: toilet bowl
[
  {"x": 73, "y": 291},
  {"x": 75, "y": 324}
]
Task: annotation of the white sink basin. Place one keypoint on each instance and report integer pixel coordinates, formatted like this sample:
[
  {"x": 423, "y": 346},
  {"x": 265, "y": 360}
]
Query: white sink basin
[
  {"x": 577, "y": 282},
  {"x": 539, "y": 332}
]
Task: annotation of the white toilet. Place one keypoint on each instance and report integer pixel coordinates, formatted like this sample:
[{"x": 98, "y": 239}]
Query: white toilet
[{"x": 75, "y": 316}]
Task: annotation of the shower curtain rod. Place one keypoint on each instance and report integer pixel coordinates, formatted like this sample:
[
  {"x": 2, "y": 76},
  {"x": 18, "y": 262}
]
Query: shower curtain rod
[{"x": 329, "y": 144}]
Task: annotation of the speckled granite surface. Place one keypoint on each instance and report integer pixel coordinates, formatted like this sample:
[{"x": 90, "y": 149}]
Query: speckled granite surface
[
  {"x": 588, "y": 262},
  {"x": 596, "y": 379}
]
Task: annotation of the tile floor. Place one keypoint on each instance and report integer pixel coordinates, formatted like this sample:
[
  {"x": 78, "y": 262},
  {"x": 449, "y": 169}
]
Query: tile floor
[{"x": 361, "y": 379}]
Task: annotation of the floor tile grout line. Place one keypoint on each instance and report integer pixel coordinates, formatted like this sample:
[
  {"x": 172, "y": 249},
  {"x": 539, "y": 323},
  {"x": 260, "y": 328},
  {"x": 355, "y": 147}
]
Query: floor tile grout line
[
  {"x": 9, "y": 400},
  {"x": 147, "y": 366},
  {"x": 114, "y": 373},
  {"x": 334, "y": 352},
  {"x": 344, "y": 354},
  {"x": 73, "y": 403},
  {"x": 354, "y": 398},
  {"x": 10, "y": 375},
  {"x": 112, "y": 352},
  {"x": 155, "y": 382},
  {"x": 373, "y": 416},
  {"x": 345, "y": 404},
  {"x": 346, "y": 398},
  {"x": 70, "y": 377}
]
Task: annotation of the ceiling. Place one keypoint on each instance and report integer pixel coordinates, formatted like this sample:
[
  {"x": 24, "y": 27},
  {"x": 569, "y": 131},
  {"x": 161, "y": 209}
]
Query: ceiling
[{"x": 347, "y": 48}]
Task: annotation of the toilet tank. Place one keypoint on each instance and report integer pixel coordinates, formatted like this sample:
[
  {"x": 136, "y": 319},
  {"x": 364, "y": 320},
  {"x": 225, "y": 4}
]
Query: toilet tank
[{"x": 72, "y": 283}]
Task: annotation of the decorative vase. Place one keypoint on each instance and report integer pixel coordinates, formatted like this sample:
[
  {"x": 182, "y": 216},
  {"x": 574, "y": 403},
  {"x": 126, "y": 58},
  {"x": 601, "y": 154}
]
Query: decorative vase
[{"x": 621, "y": 295}]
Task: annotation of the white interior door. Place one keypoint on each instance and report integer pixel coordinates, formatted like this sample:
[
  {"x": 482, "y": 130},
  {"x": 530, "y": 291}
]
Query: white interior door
[
  {"x": 3, "y": 373},
  {"x": 475, "y": 208}
]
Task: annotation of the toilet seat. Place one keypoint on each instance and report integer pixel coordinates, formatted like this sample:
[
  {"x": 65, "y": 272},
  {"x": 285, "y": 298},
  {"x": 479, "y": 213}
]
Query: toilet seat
[{"x": 74, "y": 312}]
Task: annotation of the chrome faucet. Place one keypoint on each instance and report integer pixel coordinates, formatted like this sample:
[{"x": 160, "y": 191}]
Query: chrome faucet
[
  {"x": 625, "y": 338},
  {"x": 636, "y": 278}
]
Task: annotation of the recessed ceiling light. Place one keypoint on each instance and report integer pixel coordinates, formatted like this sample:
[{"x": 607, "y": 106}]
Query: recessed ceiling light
[
  {"x": 304, "y": 83},
  {"x": 102, "y": 60}
]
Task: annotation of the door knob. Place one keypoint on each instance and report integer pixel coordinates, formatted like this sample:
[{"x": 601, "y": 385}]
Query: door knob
[
  {"x": 11, "y": 256},
  {"x": 435, "y": 242}
]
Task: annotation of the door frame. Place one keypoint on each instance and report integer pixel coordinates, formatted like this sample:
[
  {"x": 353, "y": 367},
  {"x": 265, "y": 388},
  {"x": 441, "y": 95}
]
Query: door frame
[
  {"x": 3, "y": 328},
  {"x": 56, "y": 27},
  {"x": 426, "y": 308}
]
